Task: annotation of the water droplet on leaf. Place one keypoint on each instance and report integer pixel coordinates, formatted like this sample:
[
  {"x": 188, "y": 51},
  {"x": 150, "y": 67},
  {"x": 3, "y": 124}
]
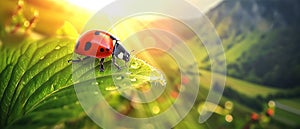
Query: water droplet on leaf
[
  {"x": 95, "y": 83},
  {"x": 119, "y": 78},
  {"x": 157, "y": 78},
  {"x": 135, "y": 65},
  {"x": 42, "y": 57},
  {"x": 133, "y": 79},
  {"x": 111, "y": 88},
  {"x": 57, "y": 47}
]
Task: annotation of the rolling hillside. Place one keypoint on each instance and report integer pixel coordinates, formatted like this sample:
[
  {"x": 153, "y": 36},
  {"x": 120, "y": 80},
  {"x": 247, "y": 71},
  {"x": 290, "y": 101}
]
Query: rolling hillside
[{"x": 260, "y": 40}]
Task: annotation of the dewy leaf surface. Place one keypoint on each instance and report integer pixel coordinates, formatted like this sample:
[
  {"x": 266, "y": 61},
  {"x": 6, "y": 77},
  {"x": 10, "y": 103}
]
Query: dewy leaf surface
[{"x": 37, "y": 87}]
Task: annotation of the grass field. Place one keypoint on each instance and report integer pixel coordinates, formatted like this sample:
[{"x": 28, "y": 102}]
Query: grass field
[
  {"x": 288, "y": 111},
  {"x": 235, "y": 52},
  {"x": 241, "y": 112},
  {"x": 293, "y": 103},
  {"x": 287, "y": 117},
  {"x": 243, "y": 87}
]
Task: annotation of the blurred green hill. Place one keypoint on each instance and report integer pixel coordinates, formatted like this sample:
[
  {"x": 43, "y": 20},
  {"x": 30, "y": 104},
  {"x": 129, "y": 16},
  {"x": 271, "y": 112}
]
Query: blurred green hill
[{"x": 261, "y": 40}]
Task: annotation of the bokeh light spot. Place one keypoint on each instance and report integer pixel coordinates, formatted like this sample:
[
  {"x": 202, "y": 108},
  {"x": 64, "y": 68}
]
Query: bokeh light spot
[{"x": 229, "y": 118}]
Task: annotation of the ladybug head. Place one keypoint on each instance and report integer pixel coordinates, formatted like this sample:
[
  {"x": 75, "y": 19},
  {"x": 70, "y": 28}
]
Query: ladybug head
[
  {"x": 126, "y": 56},
  {"x": 121, "y": 52}
]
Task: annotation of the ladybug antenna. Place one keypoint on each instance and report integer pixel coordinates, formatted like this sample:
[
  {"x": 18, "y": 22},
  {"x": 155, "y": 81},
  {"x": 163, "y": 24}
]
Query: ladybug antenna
[{"x": 131, "y": 51}]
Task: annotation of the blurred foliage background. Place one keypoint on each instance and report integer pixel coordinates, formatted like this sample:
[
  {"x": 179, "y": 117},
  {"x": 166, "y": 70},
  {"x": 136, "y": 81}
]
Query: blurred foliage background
[
  {"x": 261, "y": 43},
  {"x": 33, "y": 18}
]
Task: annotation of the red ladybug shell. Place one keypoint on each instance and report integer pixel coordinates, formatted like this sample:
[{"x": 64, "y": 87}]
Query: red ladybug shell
[{"x": 95, "y": 43}]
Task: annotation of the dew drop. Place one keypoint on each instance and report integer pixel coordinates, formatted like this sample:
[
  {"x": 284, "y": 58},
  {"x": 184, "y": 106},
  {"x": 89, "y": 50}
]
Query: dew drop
[
  {"x": 55, "y": 98},
  {"x": 57, "y": 47},
  {"x": 96, "y": 92},
  {"x": 43, "y": 57},
  {"x": 133, "y": 79},
  {"x": 77, "y": 102},
  {"x": 111, "y": 88},
  {"x": 95, "y": 83},
  {"x": 135, "y": 65},
  {"x": 119, "y": 78},
  {"x": 157, "y": 78}
]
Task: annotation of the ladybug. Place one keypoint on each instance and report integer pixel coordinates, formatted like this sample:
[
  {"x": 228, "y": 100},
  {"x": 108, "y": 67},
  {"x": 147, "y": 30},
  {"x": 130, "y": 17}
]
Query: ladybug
[{"x": 100, "y": 44}]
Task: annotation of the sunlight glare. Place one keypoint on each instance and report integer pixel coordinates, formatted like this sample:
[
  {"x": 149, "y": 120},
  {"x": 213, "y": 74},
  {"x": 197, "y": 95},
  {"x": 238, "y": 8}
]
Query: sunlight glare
[{"x": 91, "y": 5}]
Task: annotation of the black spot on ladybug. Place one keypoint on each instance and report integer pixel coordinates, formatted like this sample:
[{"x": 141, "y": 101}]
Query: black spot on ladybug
[
  {"x": 77, "y": 45},
  {"x": 88, "y": 45},
  {"x": 107, "y": 49},
  {"x": 102, "y": 50},
  {"x": 97, "y": 33}
]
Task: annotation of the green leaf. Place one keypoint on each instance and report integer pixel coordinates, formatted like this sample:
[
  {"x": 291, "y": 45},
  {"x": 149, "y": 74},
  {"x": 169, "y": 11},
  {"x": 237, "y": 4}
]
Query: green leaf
[{"x": 37, "y": 87}]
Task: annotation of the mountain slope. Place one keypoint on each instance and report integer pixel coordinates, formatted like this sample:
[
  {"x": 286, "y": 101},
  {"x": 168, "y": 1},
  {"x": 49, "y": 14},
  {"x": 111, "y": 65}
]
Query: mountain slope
[{"x": 260, "y": 40}]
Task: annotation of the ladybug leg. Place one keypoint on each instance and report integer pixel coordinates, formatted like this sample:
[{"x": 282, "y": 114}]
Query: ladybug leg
[
  {"x": 115, "y": 63},
  {"x": 79, "y": 59},
  {"x": 101, "y": 65}
]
